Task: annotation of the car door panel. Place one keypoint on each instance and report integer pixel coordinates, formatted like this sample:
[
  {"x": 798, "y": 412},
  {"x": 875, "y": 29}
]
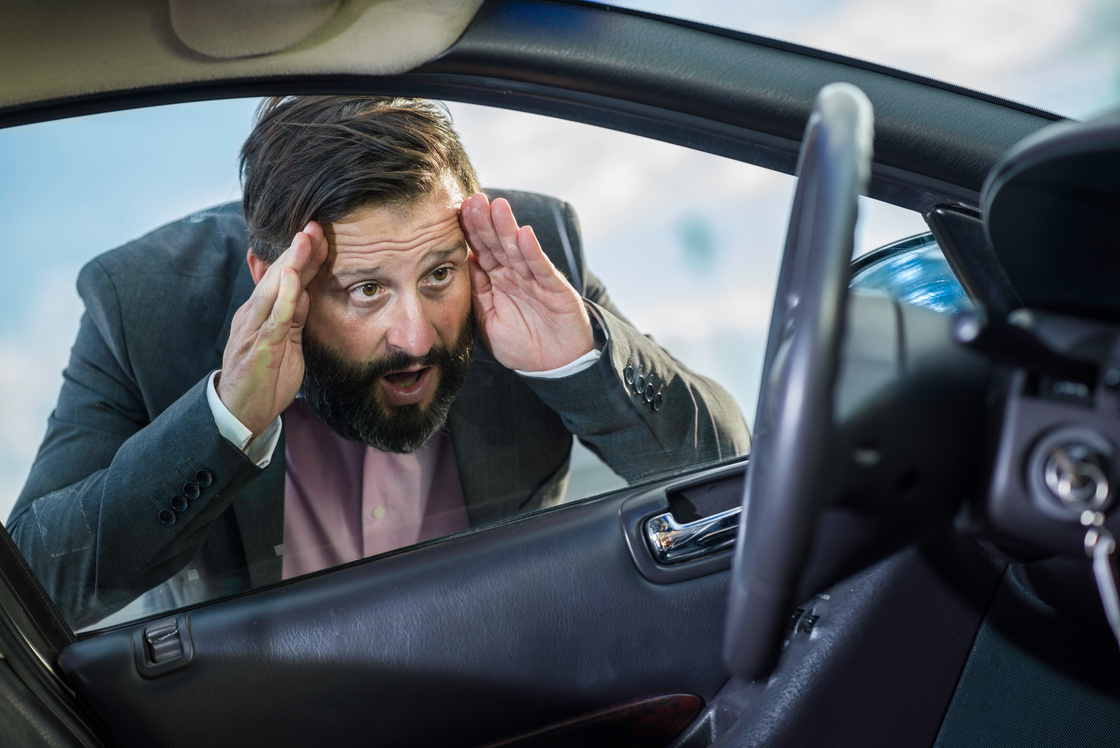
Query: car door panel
[{"x": 480, "y": 637}]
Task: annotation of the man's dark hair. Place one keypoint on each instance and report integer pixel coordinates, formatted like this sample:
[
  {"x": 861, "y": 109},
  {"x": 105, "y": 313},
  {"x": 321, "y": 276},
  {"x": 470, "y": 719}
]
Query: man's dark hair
[{"x": 323, "y": 157}]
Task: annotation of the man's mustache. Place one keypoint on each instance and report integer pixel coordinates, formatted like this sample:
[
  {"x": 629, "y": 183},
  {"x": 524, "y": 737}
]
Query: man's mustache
[
  {"x": 326, "y": 359},
  {"x": 344, "y": 394}
]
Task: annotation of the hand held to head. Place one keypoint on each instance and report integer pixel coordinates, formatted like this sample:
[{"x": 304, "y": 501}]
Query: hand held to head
[
  {"x": 262, "y": 367},
  {"x": 528, "y": 314}
]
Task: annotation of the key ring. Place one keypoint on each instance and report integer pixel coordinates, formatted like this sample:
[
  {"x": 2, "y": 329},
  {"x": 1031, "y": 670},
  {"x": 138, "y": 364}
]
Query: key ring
[
  {"x": 1099, "y": 546},
  {"x": 1097, "y": 534}
]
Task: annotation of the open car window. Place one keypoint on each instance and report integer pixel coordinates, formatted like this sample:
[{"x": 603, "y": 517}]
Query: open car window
[{"x": 686, "y": 244}]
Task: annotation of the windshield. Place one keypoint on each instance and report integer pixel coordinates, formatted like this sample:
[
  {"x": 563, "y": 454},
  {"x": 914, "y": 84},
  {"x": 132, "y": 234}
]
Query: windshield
[{"x": 1058, "y": 55}]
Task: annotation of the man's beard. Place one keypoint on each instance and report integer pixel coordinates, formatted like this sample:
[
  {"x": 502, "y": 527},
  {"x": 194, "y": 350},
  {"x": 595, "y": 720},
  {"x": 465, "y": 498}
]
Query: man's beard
[{"x": 344, "y": 394}]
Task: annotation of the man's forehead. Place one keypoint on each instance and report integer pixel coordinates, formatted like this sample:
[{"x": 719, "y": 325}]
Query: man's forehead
[
  {"x": 374, "y": 240},
  {"x": 396, "y": 223}
]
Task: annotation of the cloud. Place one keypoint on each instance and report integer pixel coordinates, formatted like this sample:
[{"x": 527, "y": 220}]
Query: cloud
[
  {"x": 612, "y": 178},
  {"x": 1058, "y": 55},
  {"x": 33, "y": 352},
  {"x": 955, "y": 40}
]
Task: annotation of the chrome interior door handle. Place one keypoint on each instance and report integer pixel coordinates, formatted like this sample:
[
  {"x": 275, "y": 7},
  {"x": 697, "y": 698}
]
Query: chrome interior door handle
[{"x": 674, "y": 543}]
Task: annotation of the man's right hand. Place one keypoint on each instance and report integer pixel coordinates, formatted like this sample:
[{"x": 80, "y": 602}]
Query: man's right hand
[{"x": 262, "y": 367}]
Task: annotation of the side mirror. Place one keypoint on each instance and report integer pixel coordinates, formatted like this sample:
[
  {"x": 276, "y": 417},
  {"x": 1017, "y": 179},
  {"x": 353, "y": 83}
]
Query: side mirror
[{"x": 912, "y": 270}]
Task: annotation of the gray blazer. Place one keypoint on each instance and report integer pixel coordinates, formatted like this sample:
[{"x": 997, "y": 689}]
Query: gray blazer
[{"x": 132, "y": 428}]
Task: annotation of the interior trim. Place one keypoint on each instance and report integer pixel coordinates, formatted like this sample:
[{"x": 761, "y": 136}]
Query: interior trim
[
  {"x": 652, "y": 721},
  {"x": 498, "y": 631}
]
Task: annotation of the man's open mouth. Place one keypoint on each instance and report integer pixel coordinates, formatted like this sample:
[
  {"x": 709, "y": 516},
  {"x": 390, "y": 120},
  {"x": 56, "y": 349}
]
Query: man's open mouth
[
  {"x": 407, "y": 387},
  {"x": 406, "y": 379}
]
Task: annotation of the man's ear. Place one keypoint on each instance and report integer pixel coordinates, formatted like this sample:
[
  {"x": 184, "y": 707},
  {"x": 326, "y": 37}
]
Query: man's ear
[{"x": 257, "y": 266}]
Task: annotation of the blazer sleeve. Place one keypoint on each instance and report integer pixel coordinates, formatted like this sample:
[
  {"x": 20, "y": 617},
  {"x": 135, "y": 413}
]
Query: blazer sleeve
[
  {"x": 642, "y": 411},
  {"x": 96, "y": 519}
]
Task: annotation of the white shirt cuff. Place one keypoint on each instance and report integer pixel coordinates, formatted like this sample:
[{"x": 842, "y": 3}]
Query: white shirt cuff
[
  {"x": 586, "y": 361},
  {"x": 258, "y": 450},
  {"x": 583, "y": 362}
]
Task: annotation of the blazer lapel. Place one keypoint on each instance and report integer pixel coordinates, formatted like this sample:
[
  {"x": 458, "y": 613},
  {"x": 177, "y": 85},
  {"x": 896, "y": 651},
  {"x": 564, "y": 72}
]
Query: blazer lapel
[
  {"x": 508, "y": 444},
  {"x": 470, "y": 424}
]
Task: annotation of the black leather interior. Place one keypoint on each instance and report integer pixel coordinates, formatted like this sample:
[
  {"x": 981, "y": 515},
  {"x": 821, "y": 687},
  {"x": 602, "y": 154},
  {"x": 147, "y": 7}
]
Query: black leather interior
[
  {"x": 481, "y": 637},
  {"x": 24, "y": 721},
  {"x": 878, "y": 667},
  {"x": 499, "y": 632}
]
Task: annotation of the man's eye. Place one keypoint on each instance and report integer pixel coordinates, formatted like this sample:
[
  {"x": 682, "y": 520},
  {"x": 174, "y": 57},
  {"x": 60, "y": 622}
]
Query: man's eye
[
  {"x": 367, "y": 290},
  {"x": 442, "y": 274}
]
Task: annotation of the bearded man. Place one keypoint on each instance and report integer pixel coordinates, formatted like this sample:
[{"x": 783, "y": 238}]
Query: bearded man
[{"x": 229, "y": 420}]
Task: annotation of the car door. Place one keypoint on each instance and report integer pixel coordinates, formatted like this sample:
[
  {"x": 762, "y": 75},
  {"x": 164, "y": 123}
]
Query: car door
[{"x": 560, "y": 620}]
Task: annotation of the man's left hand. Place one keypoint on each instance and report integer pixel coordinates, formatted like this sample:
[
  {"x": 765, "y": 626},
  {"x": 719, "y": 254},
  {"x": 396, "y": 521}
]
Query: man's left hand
[{"x": 528, "y": 314}]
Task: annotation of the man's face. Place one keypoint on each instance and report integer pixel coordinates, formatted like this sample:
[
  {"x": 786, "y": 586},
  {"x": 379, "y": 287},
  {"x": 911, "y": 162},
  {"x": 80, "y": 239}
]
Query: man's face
[{"x": 390, "y": 332}]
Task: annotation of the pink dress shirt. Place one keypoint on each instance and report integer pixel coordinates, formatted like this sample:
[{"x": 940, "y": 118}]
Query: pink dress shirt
[{"x": 344, "y": 501}]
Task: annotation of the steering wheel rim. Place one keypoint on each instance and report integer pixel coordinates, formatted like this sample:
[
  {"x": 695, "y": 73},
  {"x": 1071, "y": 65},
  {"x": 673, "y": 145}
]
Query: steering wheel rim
[{"x": 786, "y": 476}]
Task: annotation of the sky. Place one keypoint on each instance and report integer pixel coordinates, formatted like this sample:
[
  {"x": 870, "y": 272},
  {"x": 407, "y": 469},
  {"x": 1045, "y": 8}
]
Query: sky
[
  {"x": 1058, "y": 55},
  {"x": 681, "y": 239}
]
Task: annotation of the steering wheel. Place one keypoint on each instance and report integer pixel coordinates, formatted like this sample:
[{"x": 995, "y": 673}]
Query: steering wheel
[{"x": 787, "y": 474}]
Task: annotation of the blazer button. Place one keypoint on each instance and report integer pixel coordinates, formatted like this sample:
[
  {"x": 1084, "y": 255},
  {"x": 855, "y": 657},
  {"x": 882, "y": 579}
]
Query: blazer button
[
  {"x": 649, "y": 393},
  {"x": 179, "y": 503},
  {"x": 191, "y": 490},
  {"x": 204, "y": 478},
  {"x": 628, "y": 374},
  {"x": 166, "y": 517},
  {"x": 658, "y": 399},
  {"x": 639, "y": 382}
]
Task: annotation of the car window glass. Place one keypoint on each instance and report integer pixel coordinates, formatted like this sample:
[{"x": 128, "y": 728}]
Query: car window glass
[{"x": 687, "y": 244}]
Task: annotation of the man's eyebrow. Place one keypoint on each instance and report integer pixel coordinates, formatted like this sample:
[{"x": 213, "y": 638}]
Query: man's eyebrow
[
  {"x": 436, "y": 256},
  {"x": 430, "y": 259}
]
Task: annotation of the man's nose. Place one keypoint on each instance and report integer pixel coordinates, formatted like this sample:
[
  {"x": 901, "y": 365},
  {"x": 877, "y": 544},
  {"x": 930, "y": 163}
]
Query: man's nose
[{"x": 410, "y": 329}]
